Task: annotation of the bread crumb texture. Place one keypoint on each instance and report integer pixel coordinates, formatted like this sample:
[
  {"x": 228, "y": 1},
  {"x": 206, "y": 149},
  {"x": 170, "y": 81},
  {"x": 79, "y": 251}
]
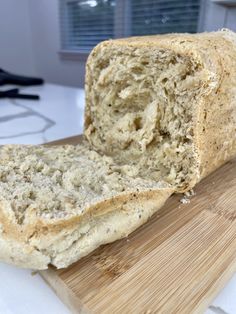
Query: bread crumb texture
[{"x": 60, "y": 182}]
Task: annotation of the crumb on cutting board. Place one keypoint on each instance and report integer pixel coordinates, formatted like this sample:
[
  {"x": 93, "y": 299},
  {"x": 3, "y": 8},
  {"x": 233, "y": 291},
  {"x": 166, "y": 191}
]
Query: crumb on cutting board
[{"x": 186, "y": 197}]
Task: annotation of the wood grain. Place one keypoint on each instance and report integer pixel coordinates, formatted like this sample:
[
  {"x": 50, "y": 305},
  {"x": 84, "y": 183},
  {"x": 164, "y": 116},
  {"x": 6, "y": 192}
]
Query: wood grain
[{"x": 175, "y": 263}]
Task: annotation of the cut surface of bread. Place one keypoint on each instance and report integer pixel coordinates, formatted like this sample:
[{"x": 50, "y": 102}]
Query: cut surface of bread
[
  {"x": 60, "y": 203},
  {"x": 156, "y": 102}
]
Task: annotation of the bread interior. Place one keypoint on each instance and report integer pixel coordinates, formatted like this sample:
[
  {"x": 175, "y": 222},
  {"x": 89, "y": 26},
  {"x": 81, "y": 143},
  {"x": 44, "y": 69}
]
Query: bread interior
[
  {"x": 60, "y": 182},
  {"x": 140, "y": 108}
]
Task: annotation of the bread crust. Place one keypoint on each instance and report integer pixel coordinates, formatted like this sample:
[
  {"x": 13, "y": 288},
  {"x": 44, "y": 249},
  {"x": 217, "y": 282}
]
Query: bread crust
[
  {"x": 216, "y": 131},
  {"x": 42, "y": 242}
]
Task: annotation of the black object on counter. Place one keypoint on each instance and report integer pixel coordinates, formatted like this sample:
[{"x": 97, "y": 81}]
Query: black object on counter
[
  {"x": 14, "y": 93},
  {"x": 9, "y": 78}
]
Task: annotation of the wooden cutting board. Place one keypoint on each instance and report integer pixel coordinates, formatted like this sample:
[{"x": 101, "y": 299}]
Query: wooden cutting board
[{"x": 175, "y": 263}]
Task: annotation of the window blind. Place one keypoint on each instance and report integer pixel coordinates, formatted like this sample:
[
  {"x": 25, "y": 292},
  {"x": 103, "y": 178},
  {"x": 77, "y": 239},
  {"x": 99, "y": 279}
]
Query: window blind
[
  {"x": 154, "y": 17},
  {"x": 84, "y": 23}
]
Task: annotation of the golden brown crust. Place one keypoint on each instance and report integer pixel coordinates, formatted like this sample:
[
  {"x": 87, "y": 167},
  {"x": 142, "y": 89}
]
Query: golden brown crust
[
  {"x": 37, "y": 238},
  {"x": 43, "y": 227}
]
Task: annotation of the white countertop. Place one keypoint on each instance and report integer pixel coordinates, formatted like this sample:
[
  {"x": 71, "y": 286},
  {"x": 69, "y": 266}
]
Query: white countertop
[{"x": 58, "y": 114}]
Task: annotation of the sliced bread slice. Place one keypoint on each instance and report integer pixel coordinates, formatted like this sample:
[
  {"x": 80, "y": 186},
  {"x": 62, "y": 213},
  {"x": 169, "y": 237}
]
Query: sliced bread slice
[{"x": 60, "y": 203}]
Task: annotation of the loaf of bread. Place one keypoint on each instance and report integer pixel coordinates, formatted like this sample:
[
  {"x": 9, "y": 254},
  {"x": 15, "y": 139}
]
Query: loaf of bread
[
  {"x": 165, "y": 105},
  {"x": 160, "y": 115}
]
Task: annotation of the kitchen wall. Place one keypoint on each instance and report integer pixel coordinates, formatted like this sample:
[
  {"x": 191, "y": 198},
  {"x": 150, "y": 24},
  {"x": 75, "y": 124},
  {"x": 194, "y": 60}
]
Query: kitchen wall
[
  {"x": 44, "y": 21},
  {"x": 15, "y": 38},
  {"x": 218, "y": 14},
  {"x": 30, "y": 42}
]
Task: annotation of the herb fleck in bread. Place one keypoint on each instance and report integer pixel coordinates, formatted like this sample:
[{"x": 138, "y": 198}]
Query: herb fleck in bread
[{"x": 160, "y": 115}]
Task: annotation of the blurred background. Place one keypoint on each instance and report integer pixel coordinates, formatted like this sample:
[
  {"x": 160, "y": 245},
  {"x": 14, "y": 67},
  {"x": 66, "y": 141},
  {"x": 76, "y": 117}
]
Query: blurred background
[{"x": 52, "y": 39}]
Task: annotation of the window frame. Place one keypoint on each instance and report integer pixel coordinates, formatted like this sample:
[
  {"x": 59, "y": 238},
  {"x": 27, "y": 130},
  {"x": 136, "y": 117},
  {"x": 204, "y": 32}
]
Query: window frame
[{"x": 122, "y": 27}]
